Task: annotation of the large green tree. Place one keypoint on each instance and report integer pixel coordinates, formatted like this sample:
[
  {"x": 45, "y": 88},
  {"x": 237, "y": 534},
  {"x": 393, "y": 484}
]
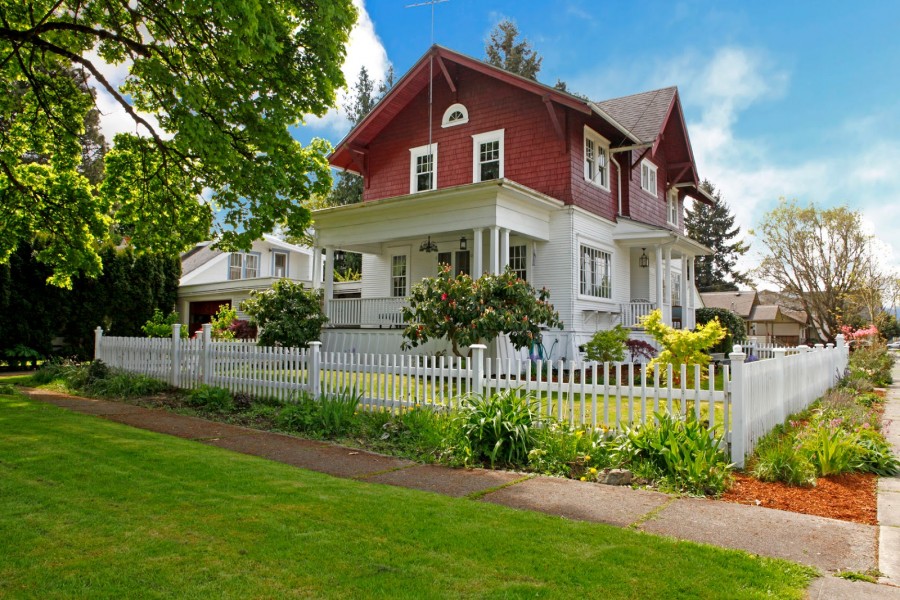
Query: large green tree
[
  {"x": 222, "y": 83},
  {"x": 820, "y": 258},
  {"x": 713, "y": 226},
  {"x": 503, "y": 49}
]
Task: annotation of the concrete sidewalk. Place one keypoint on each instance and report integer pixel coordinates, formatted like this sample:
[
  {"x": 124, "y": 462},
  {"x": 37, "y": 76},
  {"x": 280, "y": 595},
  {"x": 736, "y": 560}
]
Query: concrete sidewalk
[
  {"x": 827, "y": 544},
  {"x": 889, "y": 492}
]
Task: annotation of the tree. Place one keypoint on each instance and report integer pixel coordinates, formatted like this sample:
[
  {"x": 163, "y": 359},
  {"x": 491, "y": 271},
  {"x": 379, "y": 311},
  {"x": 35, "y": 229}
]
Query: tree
[
  {"x": 286, "y": 314},
  {"x": 819, "y": 257},
  {"x": 713, "y": 226},
  {"x": 467, "y": 311},
  {"x": 607, "y": 346},
  {"x": 222, "y": 85},
  {"x": 504, "y": 51},
  {"x": 735, "y": 332}
]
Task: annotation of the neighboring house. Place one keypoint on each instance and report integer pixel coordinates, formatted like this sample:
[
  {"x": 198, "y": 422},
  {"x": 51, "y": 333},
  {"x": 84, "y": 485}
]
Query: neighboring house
[
  {"x": 580, "y": 197},
  {"x": 211, "y": 278},
  {"x": 765, "y": 323}
]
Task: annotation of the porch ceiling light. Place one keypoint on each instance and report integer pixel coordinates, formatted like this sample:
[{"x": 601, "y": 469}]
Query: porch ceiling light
[
  {"x": 338, "y": 255},
  {"x": 463, "y": 243},
  {"x": 644, "y": 260},
  {"x": 428, "y": 246}
]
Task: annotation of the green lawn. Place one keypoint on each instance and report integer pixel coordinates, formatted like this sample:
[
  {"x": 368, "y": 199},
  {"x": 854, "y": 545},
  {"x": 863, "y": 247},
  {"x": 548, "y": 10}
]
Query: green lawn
[{"x": 90, "y": 508}]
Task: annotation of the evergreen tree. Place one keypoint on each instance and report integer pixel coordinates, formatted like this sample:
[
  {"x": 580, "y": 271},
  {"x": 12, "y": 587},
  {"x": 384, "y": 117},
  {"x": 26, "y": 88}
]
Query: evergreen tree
[
  {"x": 504, "y": 51},
  {"x": 713, "y": 226}
]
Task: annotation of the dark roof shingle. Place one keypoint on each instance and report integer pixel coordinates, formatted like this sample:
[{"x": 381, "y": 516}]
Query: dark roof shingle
[{"x": 642, "y": 114}]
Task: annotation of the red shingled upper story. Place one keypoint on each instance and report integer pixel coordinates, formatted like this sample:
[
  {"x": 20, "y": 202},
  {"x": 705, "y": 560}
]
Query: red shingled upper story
[{"x": 543, "y": 138}]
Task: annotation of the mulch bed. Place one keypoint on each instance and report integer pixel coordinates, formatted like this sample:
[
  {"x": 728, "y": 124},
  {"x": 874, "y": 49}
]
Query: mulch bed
[{"x": 848, "y": 497}]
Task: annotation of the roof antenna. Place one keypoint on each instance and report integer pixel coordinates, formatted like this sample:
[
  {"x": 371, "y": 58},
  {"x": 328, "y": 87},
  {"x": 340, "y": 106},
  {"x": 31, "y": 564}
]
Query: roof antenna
[{"x": 430, "y": 3}]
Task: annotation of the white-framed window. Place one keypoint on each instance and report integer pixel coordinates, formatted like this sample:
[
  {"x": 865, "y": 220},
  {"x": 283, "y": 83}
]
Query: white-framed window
[
  {"x": 243, "y": 265},
  {"x": 672, "y": 206},
  {"x": 648, "y": 177},
  {"x": 596, "y": 272},
  {"x": 398, "y": 276},
  {"x": 518, "y": 261},
  {"x": 456, "y": 114},
  {"x": 423, "y": 168},
  {"x": 487, "y": 156},
  {"x": 676, "y": 289},
  {"x": 279, "y": 264},
  {"x": 596, "y": 158}
]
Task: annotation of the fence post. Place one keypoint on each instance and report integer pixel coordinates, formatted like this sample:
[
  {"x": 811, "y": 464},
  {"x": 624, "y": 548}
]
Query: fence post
[
  {"x": 205, "y": 351},
  {"x": 98, "y": 342},
  {"x": 477, "y": 359},
  {"x": 738, "y": 409},
  {"x": 313, "y": 363},
  {"x": 778, "y": 355},
  {"x": 176, "y": 354}
]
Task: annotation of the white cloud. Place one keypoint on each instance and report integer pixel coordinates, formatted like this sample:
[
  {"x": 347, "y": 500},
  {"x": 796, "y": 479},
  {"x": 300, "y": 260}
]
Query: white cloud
[
  {"x": 365, "y": 49},
  {"x": 113, "y": 117}
]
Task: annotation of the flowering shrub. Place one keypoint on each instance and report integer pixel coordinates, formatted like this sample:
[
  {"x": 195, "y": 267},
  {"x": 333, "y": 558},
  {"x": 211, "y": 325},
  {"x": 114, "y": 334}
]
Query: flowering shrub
[
  {"x": 467, "y": 311},
  {"x": 287, "y": 314},
  {"x": 862, "y": 335},
  {"x": 681, "y": 346}
]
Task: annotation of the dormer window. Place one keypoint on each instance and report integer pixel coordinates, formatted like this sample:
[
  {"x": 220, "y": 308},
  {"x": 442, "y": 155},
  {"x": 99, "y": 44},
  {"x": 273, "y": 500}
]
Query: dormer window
[
  {"x": 596, "y": 158},
  {"x": 456, "y": 114},
  {"x": 648, "y": 177}
]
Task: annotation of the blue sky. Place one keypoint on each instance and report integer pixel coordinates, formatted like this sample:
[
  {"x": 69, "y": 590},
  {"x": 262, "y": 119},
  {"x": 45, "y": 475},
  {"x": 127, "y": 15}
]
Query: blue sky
[{"x": 783, "y": 99}]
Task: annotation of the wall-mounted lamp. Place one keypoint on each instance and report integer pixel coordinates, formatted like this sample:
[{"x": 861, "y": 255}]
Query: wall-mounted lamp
[
  {"x": 644, "y": 260},
  {"x": 428, "y": 246},
  {"x": 463, "y": 243},
  {"x": 338, "y": 255}
]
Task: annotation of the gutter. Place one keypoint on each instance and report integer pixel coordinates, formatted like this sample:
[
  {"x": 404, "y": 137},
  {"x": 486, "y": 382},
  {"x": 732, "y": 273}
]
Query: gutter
[{"x": 618, "y": 180}]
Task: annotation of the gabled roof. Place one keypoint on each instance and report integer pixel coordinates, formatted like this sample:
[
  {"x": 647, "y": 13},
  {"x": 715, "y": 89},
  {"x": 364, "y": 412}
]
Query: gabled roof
[
  {"x": 197, "y": 256},
  {"x": 416, "y": 79},
  {"x": 741, "y": 302},
  {"x": 644, "y": 114},
  {"x": 770, "y": 312}
]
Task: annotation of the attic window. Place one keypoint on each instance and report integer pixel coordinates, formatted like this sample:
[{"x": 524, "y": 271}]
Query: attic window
[
  {"x": 456, "y": 114},
  {"x": 648, "y": 177}
]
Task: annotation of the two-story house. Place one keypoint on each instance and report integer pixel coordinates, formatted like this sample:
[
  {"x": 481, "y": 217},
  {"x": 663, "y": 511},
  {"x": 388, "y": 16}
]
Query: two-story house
[{"x": 467, "y": 164}]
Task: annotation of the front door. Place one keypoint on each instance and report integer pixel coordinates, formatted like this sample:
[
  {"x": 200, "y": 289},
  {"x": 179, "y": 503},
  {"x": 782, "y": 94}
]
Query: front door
[{"x": 459, "y": 261}]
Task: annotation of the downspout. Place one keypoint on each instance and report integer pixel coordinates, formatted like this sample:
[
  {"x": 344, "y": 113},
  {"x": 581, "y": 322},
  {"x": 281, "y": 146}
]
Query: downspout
[{"x": 618, "y": 180}]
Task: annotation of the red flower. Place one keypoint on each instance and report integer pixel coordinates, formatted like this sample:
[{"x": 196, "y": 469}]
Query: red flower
[{"x": 443, "y": 296}]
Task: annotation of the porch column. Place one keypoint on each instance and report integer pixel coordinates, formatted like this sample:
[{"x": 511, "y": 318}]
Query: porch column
[
  {"x": 315, "y": 267},
  {"x": 494, "y": 250},
  {"x": 329, "y": 279},
  {"x": 659, "y": 278},
  {"x": 686, "y": 315},
  {"x": 504, "y": 249},
  {"x": 478, "y": 258},
  {"x": 667, "y": 314}
]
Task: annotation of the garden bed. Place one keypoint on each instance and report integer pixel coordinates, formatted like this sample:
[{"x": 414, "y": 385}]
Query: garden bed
[{"x": 848, "y": 497}]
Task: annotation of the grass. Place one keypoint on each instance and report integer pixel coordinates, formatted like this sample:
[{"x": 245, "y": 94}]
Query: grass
[{"x": 94, "y": 508}]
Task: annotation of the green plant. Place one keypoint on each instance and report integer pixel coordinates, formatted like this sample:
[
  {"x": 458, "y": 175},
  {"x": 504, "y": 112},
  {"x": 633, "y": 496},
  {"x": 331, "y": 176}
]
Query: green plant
[
  {"x": 874, "y": 455},
  {"x": 831, "y": 449},
  {"x": 287, "y": 314},
  {"x": 211, "y": 398},
  {"x": 562, "y": 450},
  {"x": 781, "y": 461},
  {"x": 467, "y": 311},
  {"x": 20, "y": 355},
  {"x": 868, "y": 399},
  {"x": 497, "y": 427},
  {"x": 685, "y": 452},
  {"x": 160, "y": 325},
  {"x": 681, "y": 346},
  {"x": 220, "y": 325},
  {"x": 298, "y": 416},
  {"x": 336, "y": 412},
  {"x": 8, "y": 389},
  {"x": 874, "y": 361},
  {"x": 735, "y": 332},
  {"x": 607, "y": 346}
]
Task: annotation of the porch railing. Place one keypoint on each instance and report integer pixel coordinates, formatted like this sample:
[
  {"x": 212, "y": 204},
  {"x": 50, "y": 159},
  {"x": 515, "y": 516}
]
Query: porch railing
[
  {"x": 366, "y": 312},
  {"x": 634, "y": 310}
]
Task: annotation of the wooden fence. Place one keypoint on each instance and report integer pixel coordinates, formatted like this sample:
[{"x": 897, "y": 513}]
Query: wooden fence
[{"x": 743, "y": 400}]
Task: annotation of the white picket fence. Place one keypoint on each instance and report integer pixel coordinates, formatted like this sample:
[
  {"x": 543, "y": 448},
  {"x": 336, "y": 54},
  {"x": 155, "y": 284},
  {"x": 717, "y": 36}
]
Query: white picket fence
[{"x": 743, "y": 400}]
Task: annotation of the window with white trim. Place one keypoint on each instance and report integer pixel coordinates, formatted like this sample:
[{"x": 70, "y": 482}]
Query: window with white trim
[
  {"x": 456, "y": 114},
  {"x": 676, "y": 289},
  {"x": 487, "y": 150},
  {"x": 518, "y": 261},
  {"x": 596, "y": 272},
  {"x": 672, "y": 206},
  {"x": 243, "y": 265},
  {"x": 398, "y": 276},
  {"x": 423, "y": 169},
  {"x": 648, "y": 177},
  {"x": 279, "y": 264},
  {"x": 596, "y": 158}
]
